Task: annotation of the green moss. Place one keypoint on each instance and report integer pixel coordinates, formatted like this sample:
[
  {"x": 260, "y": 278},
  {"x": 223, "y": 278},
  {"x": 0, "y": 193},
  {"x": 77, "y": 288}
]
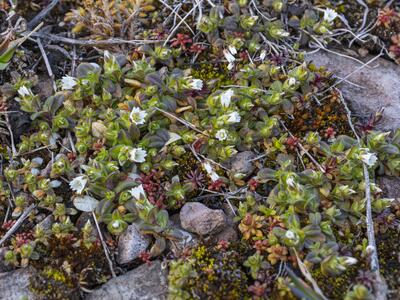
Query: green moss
[
  {"x": 208, "y": 274},
  {"x": 388, "y": 245},
  {"x": 65, "y": 266}
]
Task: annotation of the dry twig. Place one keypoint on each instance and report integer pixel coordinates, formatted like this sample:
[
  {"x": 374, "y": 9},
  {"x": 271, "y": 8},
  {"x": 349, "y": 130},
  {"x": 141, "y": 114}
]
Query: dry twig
[
  {"x": 380, "y": 285},
  {"x": 103, "y": 243}
]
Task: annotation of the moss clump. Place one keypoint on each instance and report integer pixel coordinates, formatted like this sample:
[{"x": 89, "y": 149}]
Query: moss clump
[
  {"x": 208, "y": 273},
  {"x": 333, "y": 287},
  {"x": 328, "y": 118},
  {"x": 53, "y": 284},
  {"x": 65, "y": 266},
  {"x": 213, "y": 72},
  {"x": 388, "y": 245}
]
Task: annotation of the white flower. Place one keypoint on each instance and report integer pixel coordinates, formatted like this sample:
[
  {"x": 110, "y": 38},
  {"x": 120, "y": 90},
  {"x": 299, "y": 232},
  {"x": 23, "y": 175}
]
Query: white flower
[
  {"x": 282, "y": 33},
  {"x": 138, "y": 116},
  {"x": 290, "y": 235},
  {"x": 196, "y": 84},
  {"x": 263, "y": 54},
  {"x": 290, "y": 182},
  {"x": 24, "y": 91},
  {"x": 368, "y": 158},
  {"x": 78, "y": 184},
  {"x": 137, "y": 192},
  {"x": 68, "y": 83},
  {"x": 234, "y": 117},
  {"x": 210, "y": 171},
  {"x": 221, "y": 135},
  {"x": 107, "y": 54},
  {"x": 226, "y": 97},
  {"x": 137, "y": 155},
  {"x": 228, "y": 55},
  {"x": 115, "y": 224},
  {"x": 330, "y": 15},
  {"x": 292, "y": 81}
]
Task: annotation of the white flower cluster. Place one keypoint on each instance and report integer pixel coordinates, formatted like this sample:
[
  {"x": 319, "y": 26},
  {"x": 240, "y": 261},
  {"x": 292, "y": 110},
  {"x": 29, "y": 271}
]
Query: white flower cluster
[{"x": 230, "y": 56}]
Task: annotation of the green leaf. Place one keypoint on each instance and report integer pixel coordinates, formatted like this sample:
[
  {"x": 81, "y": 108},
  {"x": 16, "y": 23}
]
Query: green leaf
[
  {"x": 162, "y": 218},
  {"x": 389, "y": 149},
  {"x": 3, "y": 66}
]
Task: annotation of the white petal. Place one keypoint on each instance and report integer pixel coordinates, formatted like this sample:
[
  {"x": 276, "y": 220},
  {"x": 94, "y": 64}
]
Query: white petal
[
  {"x": 229, "y": 57},
  {"x": 138, "y": 155},
  {"x": 226, "y": 97},
  {"x": 137, "y": 192},
  {"x": 24, "y": 91},
  {"x": 232, "y": 49},
  {"x": 214, "y": 176},
  {"x": 207, "y": 167},
  {"x": 234, "y": 117},
  {"x": 221, "y": 135},
  {"x": 263, "y": 54},
  {"x": 330, "y": 15},
  {"x": 138, "y": 116},
  {"x": 68, "y": 83},
  {"x": 78, "y": 184},
  {"x": 196, "y": 84}
]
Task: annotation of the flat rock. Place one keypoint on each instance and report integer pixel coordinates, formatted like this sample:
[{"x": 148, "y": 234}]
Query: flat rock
[
  {"x": 14, "y": 285},
  {"x": 198, "y": 218},
  {"x": 147, "y": 282},
  {"x": 130, "y": 244},
  {"x": 390, "y": 186},
  {"x": 380, "y": 82}
]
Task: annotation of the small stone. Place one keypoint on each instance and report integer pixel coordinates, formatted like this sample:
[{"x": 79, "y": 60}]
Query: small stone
[
  {"x": 15, "y": 285},
  {"x": 241, "y": 163},
  {"x": 198, "y": 218},
  {"x": 47, "y": 222},
  {"x": 228, "y": 234},
  {"x": 147, "y": 282},
  {"x": 130, "y": 244}
]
